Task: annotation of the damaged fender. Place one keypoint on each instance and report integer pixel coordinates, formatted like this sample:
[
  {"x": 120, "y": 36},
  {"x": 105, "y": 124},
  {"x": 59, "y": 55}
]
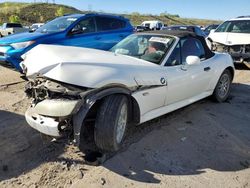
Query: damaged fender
[{"x": 90, "y": 100}]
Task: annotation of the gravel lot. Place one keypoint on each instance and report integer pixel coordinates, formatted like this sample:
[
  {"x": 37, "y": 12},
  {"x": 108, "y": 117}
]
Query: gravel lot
[{"x": 203, "y": 145}]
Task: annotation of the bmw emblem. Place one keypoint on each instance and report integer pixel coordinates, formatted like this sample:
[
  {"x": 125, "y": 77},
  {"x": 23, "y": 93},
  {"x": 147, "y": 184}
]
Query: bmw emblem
[{"x": 163, "y": 81}]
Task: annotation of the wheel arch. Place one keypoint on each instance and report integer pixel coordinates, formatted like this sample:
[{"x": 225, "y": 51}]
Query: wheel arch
[
  {"x": 231, "y": 69},
  {"x": 93, "y": 101}
]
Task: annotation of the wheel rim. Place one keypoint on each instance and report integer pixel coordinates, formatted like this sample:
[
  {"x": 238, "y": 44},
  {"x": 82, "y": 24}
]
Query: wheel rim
[
  {"x": 121, "y": 124},
  {"x": 223, "y": 86}
]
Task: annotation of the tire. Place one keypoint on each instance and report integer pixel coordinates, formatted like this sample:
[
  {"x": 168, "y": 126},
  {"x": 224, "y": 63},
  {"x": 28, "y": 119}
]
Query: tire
[
  {"x": 111, "y": 123},
  {"x": 222, "y": 89}
]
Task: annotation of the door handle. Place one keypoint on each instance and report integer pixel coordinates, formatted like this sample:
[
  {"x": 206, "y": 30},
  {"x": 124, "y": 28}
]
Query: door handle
[
  {"x": 122, "y": 36},
  {"x": 98, "y": 38},
  {"x": 207, "y": 69}
]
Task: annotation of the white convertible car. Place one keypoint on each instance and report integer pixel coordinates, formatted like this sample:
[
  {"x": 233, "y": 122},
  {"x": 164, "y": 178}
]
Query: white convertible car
[{"x": 141, "y": 78}]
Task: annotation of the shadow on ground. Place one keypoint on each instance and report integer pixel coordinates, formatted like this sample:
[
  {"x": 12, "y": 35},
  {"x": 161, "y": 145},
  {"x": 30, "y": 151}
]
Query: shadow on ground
[
  {"x": 185, "y": 142},
  {"x": 21, "y": 148},
  {"x": 205, "y": 135}
]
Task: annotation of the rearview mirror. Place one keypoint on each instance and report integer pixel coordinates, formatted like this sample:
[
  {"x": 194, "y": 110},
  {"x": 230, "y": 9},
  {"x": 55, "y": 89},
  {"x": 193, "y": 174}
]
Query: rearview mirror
[{"x": 193, "y": 60}]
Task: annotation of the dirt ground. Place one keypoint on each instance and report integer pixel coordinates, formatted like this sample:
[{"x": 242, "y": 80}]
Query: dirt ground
[{"x": 203, "y": 145}]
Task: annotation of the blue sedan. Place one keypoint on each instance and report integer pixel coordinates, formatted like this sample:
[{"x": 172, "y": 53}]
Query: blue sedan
[{"x": 99, "y": 31}]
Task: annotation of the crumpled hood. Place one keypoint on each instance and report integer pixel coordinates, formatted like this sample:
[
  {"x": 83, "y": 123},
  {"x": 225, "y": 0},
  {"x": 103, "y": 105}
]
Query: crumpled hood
[
  {"x": 89, "y": 67},
  {"x": 230, "y": 38}
]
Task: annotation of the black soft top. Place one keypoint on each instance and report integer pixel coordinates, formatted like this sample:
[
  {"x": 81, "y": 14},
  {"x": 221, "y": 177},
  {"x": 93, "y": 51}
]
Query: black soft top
[{"x": 185, "y": 34}]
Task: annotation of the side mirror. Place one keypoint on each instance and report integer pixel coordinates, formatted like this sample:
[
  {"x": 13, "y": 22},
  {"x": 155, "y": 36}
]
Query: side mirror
[{"x": 193, "y": 60}]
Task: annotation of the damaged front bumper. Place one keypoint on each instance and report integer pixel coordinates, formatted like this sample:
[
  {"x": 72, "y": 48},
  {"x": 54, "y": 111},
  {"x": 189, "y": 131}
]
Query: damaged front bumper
[
  {"x": 239, "y": 53},
  {"x": 45, "y": 125},
  {"x": 53, "y": 106},
  {"x": 60, "y": 109},
  {"x": 51, "y": 117}
]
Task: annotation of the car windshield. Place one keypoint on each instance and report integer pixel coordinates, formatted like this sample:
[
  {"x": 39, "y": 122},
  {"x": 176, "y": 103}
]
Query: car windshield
[
  {"x": 148, "y": 47},
  {"x": 210, "y": 27},
  {"x": 56, "y": 25},
  {"x": 235, "y": 26}
]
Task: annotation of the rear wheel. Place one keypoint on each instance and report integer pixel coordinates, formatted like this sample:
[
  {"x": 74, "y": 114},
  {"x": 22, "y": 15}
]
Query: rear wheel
[
  {"x": 111, "y": 123},
  {"x": 222, "y": 89}
]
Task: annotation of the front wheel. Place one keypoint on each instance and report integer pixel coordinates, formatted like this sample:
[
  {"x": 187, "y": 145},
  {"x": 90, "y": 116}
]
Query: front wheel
[
  {"x": 111, "y": 123},
  {"x": 222, "y": 89}
]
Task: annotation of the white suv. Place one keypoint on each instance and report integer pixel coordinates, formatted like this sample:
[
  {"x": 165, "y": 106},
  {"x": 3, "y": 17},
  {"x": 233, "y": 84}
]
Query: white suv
[{"x": 233, "y": 37}]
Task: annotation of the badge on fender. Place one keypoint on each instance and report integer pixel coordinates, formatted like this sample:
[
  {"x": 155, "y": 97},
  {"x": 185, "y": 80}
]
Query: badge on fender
[{"x": 163, "y": 81}]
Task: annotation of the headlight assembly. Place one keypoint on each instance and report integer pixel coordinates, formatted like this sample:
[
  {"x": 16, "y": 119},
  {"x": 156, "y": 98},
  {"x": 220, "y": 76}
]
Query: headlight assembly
[{"x": 20, "y": 45}]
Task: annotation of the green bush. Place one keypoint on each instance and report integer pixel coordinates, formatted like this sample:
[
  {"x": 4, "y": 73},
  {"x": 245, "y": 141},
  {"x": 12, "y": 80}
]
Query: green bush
[{"x": 14, "y": 19}]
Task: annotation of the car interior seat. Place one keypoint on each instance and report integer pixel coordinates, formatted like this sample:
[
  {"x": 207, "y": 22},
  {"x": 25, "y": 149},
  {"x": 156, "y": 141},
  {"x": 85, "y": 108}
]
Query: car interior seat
[{"x": 189, "y": 47}]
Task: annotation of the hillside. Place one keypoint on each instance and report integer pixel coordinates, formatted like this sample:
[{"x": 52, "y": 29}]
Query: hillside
[{"x": 28, "y": 13}]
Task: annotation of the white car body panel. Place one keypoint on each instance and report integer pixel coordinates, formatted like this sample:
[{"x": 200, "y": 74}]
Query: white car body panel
[
  {"x": 230, "y": 38},
  {"x": 169, "y": 108},
  {"x": 183, "y": 84},
  {"x": 150, "y": 99}
]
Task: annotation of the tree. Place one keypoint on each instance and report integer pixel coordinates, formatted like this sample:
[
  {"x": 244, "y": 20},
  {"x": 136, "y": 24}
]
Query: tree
[
  {"x": 14, "y": 19},
  {"x": 60, "y": 11}
]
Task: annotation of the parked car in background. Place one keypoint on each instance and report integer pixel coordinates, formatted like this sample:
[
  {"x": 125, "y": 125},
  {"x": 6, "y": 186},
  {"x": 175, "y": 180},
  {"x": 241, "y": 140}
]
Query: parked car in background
[
  {"x": 140, "y": 28},
  {"x": 143, "y": 77},
  {"x": 11, "y": 28},
  {"x": 100, "y": 31},
  {"x": 233, "y": 37},
  {"x": 207, "y": 29},
  {"x": 35, "y": 26},
  {"x": 191, "y": 28},
  {"x": 153, "y": 24}
]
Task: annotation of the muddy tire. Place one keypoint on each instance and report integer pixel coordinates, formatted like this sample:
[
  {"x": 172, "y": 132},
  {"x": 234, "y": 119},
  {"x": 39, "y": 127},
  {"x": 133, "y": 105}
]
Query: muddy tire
[
  {"x": 111, "y": 123},
  {"x": 222, "y": 89}
]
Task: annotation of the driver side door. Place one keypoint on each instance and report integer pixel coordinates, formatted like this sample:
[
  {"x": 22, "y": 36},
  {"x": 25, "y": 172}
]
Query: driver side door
[
  {"x": 186, "y": 81},
  {"x": 83, "y": 34}
]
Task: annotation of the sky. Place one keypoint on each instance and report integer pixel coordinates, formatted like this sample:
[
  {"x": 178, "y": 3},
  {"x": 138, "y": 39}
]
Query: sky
[{"x": 208, "y": 9}]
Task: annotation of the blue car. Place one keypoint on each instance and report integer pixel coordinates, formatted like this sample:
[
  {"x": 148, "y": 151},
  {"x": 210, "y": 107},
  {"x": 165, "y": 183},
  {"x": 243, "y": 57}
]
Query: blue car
[{"x": 99, "y": 31}]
